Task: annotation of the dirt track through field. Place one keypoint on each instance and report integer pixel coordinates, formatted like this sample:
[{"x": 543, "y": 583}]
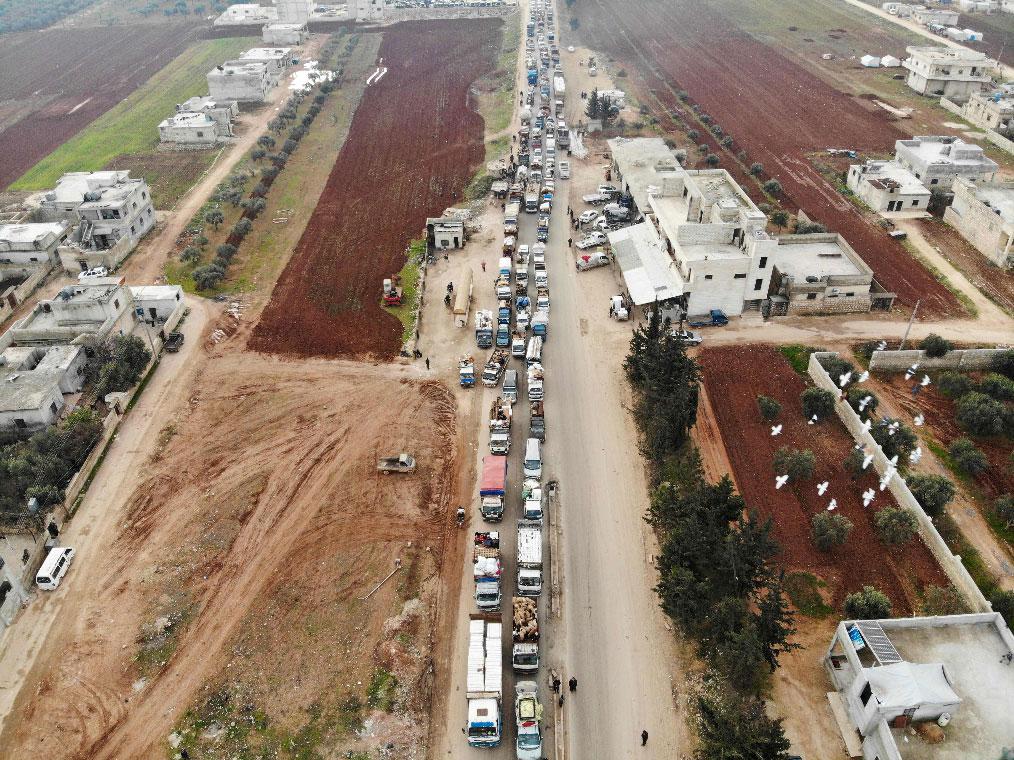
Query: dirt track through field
[
  {"x": 414, "y": 143},
  {"x": 57, "y": 81},
  {"x": 774, "y": 109},
  {"x": 735, "y": 376}
]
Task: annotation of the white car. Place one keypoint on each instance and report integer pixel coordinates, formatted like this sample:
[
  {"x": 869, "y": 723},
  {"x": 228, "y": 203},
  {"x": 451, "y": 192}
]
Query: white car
[
  {"x": 607, "y": 190},
  {"x": 591, "y": 260},
  {"x": 688, "y": 337},
  {"x": 588, "y": 216},
  {"x": 96, "y": 272},
  {"x": 522, "y": 254},
  {"x": 564, "y": 170},
  {"x": 542, "y": 302},
  {"x": 592, "y": 240},
  {"x": 541, "y": 279}
]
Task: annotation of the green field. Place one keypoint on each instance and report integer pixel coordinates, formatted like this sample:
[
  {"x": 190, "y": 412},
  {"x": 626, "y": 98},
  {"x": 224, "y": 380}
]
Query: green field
[{"x": 131, "y": 126}]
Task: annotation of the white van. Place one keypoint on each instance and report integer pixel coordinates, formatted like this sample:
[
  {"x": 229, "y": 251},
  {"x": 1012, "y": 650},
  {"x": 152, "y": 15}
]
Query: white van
[
  {"x": 510, "y": 385},
  {"x": 534, "y": 354},
  {"x": 533, "y": 458},
  {"x": 54, "y": 567}
]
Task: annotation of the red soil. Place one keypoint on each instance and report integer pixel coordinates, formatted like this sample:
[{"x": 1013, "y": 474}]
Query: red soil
[
  {"x": 414, "y": 143},
  {"x": 57, "y": 81},
  {"x": 776, "y": 110},
  {"x": 734, "y": 377}
]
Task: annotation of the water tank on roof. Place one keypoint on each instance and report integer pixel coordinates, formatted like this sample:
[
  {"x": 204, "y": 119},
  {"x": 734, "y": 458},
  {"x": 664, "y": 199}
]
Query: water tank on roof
[
  {"x": 92, "y": 195},
  {"x": 813, "y": 278}
]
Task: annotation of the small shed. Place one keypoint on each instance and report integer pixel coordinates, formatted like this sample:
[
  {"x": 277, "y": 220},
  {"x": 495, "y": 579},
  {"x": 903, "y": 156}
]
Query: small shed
[
  {"x": 890, "y": 62},
  {"x": 870, "y": 61},
  {"x": 446, "y": 233},
  {"x": 973, "y": 36}
]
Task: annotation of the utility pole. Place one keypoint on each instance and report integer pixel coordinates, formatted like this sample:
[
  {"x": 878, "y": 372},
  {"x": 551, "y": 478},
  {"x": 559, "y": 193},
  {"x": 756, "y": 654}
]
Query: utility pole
[{"x": 910, "y": 321}]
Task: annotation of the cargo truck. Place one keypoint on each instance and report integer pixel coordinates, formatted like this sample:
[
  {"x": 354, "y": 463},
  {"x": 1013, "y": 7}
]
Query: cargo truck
[
  {"x": 529, "y": 558},
  {"x": 559, "y": 87},
  {"x": 528, "y": 713},
  {"x": 537, "y": 427},
  {"x": 536, "y": 389},
  {"x": 532, "y": 500},
  {"x": 500, "y": 427},
  {"x": 492, "y": 487},
  {"x": 484, "y": 684},
  {"x": 540, "y": 324},
  {"x": 484, "y": 328},
  {"x": 531, "y": 202},
  {"x": 466, "y": 371},
  {"x": 494, "y": 367},
  {"x": 486, "y": 571},
  {"x": 525, "y": 654}
]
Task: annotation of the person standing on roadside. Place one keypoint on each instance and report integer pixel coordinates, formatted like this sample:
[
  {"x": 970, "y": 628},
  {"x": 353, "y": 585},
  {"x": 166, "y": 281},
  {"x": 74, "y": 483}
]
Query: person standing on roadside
[
  {"x": 572, "y": 683},
  {"x": 644, "y": 737}
]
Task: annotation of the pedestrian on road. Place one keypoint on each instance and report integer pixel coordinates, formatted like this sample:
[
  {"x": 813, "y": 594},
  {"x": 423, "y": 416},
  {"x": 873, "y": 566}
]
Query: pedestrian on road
[
  {"x": 427, "y": 362},
  {"x": 644, "y": 737},
  {"x": 556, "y": 684},
  {"x": 484, "y": 266},
  {"x": 570, "y": 242},
  {"x": 572, "y": 683}
]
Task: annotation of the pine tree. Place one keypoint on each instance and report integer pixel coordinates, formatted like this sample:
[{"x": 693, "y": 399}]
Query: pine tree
[
  {"x": 594, "y": 107},
  {"x": 775, "y": 621}
]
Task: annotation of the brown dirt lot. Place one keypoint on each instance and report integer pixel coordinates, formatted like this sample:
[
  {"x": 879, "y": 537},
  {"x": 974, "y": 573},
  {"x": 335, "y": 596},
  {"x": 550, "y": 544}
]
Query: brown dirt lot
[
  {"x": 261, "y": 526},
  {"x": 734, "y": 376},
  {"x": 776, "y": 110},
  {"x": 414, "y": 143},
  {"x": 68, "y": 77}
]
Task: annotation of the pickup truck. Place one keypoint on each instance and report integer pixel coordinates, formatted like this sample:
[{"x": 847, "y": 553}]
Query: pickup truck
[
  {"x": 173, "y": 342},
  {"x": 533, "y": 500},
  {"x": 503, "y": 335},
  {"x": 596, "y": 199},
  {"x": 494, "y": 368},
  {"x": 716, "y": 318},
  {"x": 591, "y": 260},
  {"x": 401, "y": 463},
  {"x": 535, "y": 383},
  {"x": 484, "y": 328},
  {"x": 528, "y": 714},
  {"x": 688, "y": 337},
  {"x": 500, "y": 427},
  {"x": 537, "y": 425},
  {"x": 531, "y": 202},
  {"x": 525, "y": 654},
  {"x": 518, "y": 345},
  {"x": 486, "y": 571},
  {"x": 591, "y": 240}
]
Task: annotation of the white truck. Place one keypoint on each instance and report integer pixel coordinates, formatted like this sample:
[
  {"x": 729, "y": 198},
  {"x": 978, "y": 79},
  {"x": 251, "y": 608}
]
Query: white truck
[
  {"x": 525, "y": 628},
  {"x": 529, "y": 558},
  {"x": 500, "y": 427},
  {"x": 533, "y": 500},
  {"x": 559, "y": 87},
  {"x": 484, "y": 684},
  {"x": 494, "y": 368},
  {"x": 528, "y": 713},
  {"x": 536, "y": 378},
  {"x": 486, "y": 570}
]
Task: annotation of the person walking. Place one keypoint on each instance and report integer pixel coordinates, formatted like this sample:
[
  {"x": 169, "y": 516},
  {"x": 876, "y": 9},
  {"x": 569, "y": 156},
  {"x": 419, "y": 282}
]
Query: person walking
[
  {"x": 570, "y": 242},
  {"x": 484, "y": 266},
  {"x": 427, "y": 362},
  {"x": 644, "y": 737},
  {"x": 572, "y": 683}
]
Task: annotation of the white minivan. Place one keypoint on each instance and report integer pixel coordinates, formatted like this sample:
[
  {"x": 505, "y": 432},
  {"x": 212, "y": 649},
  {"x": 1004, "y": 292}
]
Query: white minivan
[
  {"x": 54, "y": 567},
  {"x": 533, "y": 458}
]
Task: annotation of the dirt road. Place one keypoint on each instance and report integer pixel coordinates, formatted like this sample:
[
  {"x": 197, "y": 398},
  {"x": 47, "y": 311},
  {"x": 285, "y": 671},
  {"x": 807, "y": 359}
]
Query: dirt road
[{"x": 97, "y": 522}]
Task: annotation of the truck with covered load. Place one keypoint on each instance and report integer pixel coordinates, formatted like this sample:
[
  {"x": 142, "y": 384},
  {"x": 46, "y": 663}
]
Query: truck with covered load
[
  {"x": 525, "y": 654},
  {"x": 559, "y": 87},
  {"x": 484, "y": 684},
  {"x": 510, "y": 219},
  {"x": 492, "y": 487},
  {"x": 486, "y": 571},
  {"x": 494, "y": 368},
  {"x": 529, "y": 558},
  {"x": 484, "y": 328}
]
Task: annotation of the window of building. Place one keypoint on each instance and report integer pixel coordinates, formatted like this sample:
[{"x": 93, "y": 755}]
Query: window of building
[
  {"x": 134, "y": 204},
  {"x": 144, "y": 196},
  {"x": 934, "y": 181},
  {"x": 709, "y": 277},
  {"x": 132, "y": 229},
  {"x": 850, "y": 295},
  {"x": 33, "y": 259},
  {"x": 915, "y": 202},
  {"x": 757, "y": 283},
  {"x": 740, "y": 276},
  {"x": 149, "y": 210},
  {"x": 865, "y": 694},
  {"x": 18, "y": 422},
  {"x": 200, "y": 133},
  {"x": 811, "y": 296}
]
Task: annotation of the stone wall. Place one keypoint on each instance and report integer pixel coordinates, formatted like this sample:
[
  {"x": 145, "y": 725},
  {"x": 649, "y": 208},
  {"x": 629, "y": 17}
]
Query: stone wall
[
  {"x": 22, "y": 291},
  {"x": 969, "y": 359},
  {"x": 859, "y": 304},
  {"x": 950, "y": 563}
]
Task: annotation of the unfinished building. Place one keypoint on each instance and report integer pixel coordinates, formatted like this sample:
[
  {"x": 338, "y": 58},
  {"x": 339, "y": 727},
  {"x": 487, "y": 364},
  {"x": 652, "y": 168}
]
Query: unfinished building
[
  {"x": 938, "y": 159},
  {"x": 949, "y": 72},
  {"x": 887, "y": 186},
  {"x": 984, "y": 215},
  {"x": 992, "y": 110},
  {"x": 33, "y": 383},
  {"x": 24, "y": 248},
  {"x": 932, "y": 688},
  {"x": 291, "y": 35},
  {"x": 276, "y": 58},
  {"x": 241, "y": 81}
]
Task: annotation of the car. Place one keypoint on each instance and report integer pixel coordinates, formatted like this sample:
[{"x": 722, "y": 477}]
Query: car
[
  {"x": 608, "y": 190},
  {"x": 591, "y": 260},
  {"x": 588, "y": 216},
  {"x": 522, "y": 253},
  {"x": 594, "y": 199},
  {"x": 592, "y": 240},
  {"x": 96, "y": 272},
  {"x": 541, "y": 280},
  {"x": 564, "y": 170},
  {"x": 688, "y": 337},
  {"x": 542, "y": 302}
]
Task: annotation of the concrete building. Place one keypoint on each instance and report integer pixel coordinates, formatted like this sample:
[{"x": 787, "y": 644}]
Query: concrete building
[
  {"x": 979, "y": 6},
  {"x": 901, "y": 10},
  {"x": 192, "y": 129},
  {"x": 242, "y": 81},
  {"x": 33, "y": 382},
  {"x": 445, "y": 232},
  {"x": 640, "y": 165},
  {"x": 938, "y": 16},
  {"x": 984, "y": 215},
  {"x": 887, "y": 186},
  {"x": 155, "y": 303},
  {"x": 293, "y": 11},
  {"x": 649, "y": 273},
  {"x": 79, "y": 315},
  {"x": 822, "y": 274},
  {"x": 994, "y": 110},
  {"x": 222, "y": 112},
  {"x": 891, "y": 675},
  {"x": 276, "y": 58},
  {"x": 937, "y": 160},
  {"x": 242, "y": 14},
  {"x": 113, "y": 212},
  {"x": 950, "y": 72},
  {"x": 369, "y": 10},
  {"x": 13, "y": 593},
  {"x": 26, "y": 247},
  {"x": 285, "y": 34}
]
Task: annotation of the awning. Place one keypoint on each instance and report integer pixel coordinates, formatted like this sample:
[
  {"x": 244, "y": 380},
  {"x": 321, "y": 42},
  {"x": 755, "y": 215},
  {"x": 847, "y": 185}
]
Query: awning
[
  {"x": 906, "y": 684},
  {"x": 648, "y": 271}
]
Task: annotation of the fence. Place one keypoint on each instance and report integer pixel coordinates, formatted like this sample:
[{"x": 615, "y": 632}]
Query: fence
[
  {"x": 962, "y": 359},
  {"x": 950, "y": 563}
]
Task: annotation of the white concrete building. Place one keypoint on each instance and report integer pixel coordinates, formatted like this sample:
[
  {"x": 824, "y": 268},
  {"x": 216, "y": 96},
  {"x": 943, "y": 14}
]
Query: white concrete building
[
  {"x": 938, "y": 16},
  {"x": 155, "y": 303},
  {"x": 247, "y": 13},
  {"x": 194, "y": 129},
  {"x": 950, "y": 72},
  {"x": 113, "y": 212},
  {"x": 887, "y": 186},
  {"x": 445, "y": 232},
  {"x": 277, "y": 58},
  {"x": 936, "y": 160},
  {"x": 984, "y": 215},
  {"x": 994, "y": 110},
  {"x": 78, "y": 315},
  {"x": 242, "y": 81},
  {"x": 26, "y": 247},
  {"x": 369, "y": 10},
  {"x": 33, "y": 382},
  {"x": 978, "y": 6},
  {"x": 223, "y": 112},
  {"x": 889, "y": 675},
  {"x": 640, "y": 165},
  {"x": 901, "y": 10},
  {"x": 291, "y": 35},
  {"x": 294, "y": 11}
]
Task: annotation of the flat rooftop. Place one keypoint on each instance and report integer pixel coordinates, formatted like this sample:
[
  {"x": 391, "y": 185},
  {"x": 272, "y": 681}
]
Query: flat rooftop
[
  {"x": 972, "y": 653},
  {"x": 717, "y": 186},
  {"x": 942, "y": 150},
  {"x": 189, "y": 119},
  {"x": 265, "y": 54},
  {"x": 712, "y": 252},
  {"x": 1000, "y": 197},
  {"x": 817, "y": 258},
  {"x": 883, "y": 173},
  {"x": 28, "y": 375},
  {"x": 30, "y": 233},
  {"x": 637, "y": 159},
  {"x": 231, "y": 68},
  {"x": 935, "y": 53}
]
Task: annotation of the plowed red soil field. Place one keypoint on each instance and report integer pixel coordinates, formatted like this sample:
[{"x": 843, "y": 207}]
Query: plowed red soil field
[
  {"x": 414, "y": 143},
  {"x": 776, "y": 110},
  {"x": 734, "y": 377},
  {"x": 56, "y": 81}
]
